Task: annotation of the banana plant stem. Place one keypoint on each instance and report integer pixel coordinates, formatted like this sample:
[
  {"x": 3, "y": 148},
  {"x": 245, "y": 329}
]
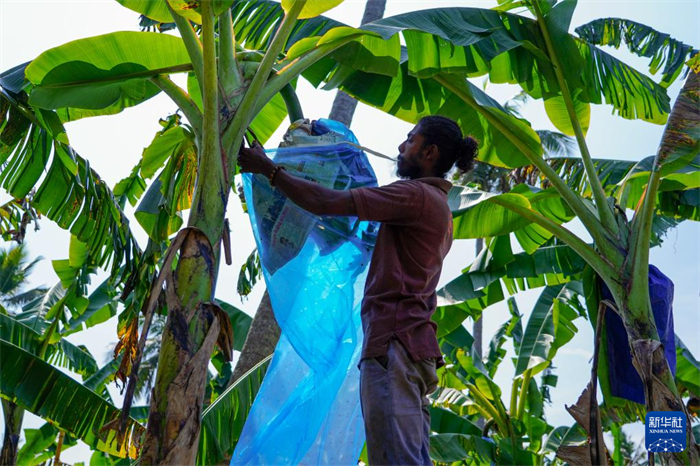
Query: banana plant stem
[
  {"x": 604, "y": 210},
  {"x": 229, "y": 73},
  {"x": 192, "y": 44},
  {"x": 276, "y": 84},
  {"x": 233, "y": 135},
  {"x": 523, "y": 393},
  {"x": 514, "y": 396}
]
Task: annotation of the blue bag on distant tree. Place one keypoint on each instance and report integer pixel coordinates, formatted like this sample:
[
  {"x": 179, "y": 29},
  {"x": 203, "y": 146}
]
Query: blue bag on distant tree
[{"x": 624, "y": 379}]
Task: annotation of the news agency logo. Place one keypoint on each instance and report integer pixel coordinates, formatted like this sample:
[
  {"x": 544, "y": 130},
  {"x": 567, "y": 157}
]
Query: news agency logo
[{"x": 665, "y": 431}]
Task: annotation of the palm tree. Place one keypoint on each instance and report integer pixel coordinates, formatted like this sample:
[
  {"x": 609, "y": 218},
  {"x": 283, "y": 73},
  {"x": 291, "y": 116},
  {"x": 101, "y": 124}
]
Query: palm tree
[{"x": 14, "y": 276}]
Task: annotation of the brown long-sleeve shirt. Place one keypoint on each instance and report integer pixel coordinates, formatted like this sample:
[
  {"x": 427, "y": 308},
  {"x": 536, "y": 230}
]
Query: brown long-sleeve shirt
[{"x": 414, "y": 238}]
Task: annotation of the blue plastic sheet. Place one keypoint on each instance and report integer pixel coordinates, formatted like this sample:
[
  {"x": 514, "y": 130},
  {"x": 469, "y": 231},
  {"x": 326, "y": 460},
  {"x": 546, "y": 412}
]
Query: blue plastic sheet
[
  {"x": 624, "y": 378},
  {"x": 308, "y": 408}
]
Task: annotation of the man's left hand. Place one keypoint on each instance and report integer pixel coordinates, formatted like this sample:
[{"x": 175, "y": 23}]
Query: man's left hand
[{"x": 254, "y": 160}]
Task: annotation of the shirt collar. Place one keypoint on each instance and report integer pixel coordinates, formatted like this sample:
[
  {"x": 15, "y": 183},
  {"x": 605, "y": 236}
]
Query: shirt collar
[{"x": 440, "y": 183}]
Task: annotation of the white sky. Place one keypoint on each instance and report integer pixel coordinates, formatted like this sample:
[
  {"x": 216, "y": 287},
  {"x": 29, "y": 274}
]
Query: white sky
[{"x": 114, "y": 145}]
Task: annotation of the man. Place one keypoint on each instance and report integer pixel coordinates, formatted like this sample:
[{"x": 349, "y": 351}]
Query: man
[{"x": 400, "y": 353}]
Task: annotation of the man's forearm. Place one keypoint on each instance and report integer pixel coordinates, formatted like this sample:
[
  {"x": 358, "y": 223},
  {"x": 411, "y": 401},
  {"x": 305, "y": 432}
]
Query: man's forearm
[{"x": 313, "y": 197}]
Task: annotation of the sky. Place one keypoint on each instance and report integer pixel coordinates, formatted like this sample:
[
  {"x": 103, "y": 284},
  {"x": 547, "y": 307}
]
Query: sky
[{"x": 114, "y": 144}]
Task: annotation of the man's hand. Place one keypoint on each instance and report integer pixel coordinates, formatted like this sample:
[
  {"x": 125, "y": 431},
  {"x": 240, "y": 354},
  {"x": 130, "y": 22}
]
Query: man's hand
[{"x": 254, "y": 160}]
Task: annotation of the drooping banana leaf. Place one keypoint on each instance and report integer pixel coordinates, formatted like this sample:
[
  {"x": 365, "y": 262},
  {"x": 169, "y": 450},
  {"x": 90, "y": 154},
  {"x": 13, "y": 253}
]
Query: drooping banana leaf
[
  {"x": 63, "y": 354},
  {"x": 223, "y": 420},
  {"x": 549, "y": 327},
  {"x": 35, "y": 154},
  {"x": 642, "y": 40},
  {"x": 481, "y": 284},
  {"x": 510, "y": 48},
  {"x": 63, "y": 401}
]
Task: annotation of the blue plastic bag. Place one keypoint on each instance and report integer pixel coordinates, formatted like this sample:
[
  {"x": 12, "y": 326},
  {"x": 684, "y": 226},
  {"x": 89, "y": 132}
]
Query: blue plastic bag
[
  {"x": 308, "y": 408},
  {"x": 624, "y": 378}
]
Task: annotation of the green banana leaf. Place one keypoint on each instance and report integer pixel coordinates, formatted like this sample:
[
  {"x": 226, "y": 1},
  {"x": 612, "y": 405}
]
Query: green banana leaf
[
  {"x": 63, "y": 401},
  {"x": 35, "y": 155},
  {"x": 687, "y": 368},
  {"x": 158, "y": 9},
  {"x": 64, "y": 354},
  {"x": 101, "y": 306},
  {"x": 223, "y": 420},
  {"x": 642, "y": 40},
  {"x": 479, "y": 214},
  {"x": 510, "y": 48},
  {"x": 255, "y": 23},
  {"x": 410, "y": 99},
  {"x": 312, "y": 9},
  {"x": 40, "y": 445},
  {"x": 452, "y": 448},
  {"x": 680, "y": 179},
  {"x": 549, "y": 327},
  {"x": 173, "y": 153},
  {"x": 564, "y": 435},
  {"x": 481, "y": 284},
  {"x": 109, "y": 71},
  {"x": 445, "y": 421}
]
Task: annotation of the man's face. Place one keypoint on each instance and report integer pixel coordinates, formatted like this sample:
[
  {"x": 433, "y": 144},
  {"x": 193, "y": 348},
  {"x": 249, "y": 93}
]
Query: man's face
[{"x": 409, "y": 164}]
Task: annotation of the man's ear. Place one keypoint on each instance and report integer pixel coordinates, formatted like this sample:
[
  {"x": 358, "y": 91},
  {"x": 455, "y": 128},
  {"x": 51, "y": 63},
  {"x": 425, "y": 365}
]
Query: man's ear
[{"x": 431, "y": 152}]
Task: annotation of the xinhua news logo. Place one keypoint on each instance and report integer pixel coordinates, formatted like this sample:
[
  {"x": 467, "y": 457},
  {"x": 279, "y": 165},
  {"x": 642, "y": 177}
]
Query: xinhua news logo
[{"x": 665, "y": 431}]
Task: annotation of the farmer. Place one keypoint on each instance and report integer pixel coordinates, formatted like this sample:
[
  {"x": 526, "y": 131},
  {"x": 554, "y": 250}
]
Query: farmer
[{"x": 400, "y": 354}]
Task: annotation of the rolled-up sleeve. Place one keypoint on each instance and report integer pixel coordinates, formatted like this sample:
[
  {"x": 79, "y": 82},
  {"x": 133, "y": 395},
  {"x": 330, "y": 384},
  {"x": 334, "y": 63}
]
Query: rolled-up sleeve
[{"x": 400, "y": 203}]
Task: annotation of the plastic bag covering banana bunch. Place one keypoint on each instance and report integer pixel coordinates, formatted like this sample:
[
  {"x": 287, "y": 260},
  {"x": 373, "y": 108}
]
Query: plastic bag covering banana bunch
[
  {"x": 314, "y": 152},
  {"x": 308, "y": 409}
]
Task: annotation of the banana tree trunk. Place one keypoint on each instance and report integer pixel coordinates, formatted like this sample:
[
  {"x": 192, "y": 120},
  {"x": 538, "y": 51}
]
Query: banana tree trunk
[
  {"x": 192, "y": 327},
  {"x": 13, "y": 416},
  {"x": 681, "y": 139}
]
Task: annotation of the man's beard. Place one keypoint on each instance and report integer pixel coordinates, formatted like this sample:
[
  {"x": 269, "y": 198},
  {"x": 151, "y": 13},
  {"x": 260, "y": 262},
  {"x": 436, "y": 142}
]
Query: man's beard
[{"x": 406, "y": 171}]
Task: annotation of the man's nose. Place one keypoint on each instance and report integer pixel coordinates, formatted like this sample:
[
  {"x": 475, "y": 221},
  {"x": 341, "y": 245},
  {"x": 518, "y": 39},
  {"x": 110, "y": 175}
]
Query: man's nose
[{"x": 401, "y": 146}]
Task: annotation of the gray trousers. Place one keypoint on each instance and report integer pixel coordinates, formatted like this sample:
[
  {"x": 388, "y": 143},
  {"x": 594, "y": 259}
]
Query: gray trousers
[{"x": 394, "y": 399}]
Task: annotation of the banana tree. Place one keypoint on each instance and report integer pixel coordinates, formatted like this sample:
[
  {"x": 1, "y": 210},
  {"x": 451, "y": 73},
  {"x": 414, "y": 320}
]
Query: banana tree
[
  {"x": 571, "y": 74},
  {"x": 517, "y": 429},
  {"x": 227, "y": 88}
]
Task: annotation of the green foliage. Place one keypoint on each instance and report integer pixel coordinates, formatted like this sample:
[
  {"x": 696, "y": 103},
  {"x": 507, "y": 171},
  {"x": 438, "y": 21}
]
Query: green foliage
[
  {"x": 223, "y": 420},
  {"x": 108, "y": 72},
  {"x": 63, "y": 401},
  {"x": 549, "y": 327},
  {"x": 642, "y": 40}
]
